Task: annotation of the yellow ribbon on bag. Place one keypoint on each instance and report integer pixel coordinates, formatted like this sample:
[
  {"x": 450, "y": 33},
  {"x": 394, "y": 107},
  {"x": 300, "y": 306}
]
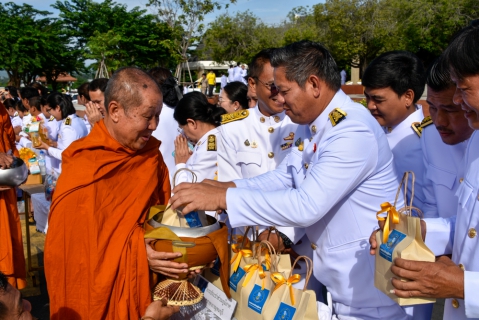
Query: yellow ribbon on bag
[
  {"x": 239, "y": 254},
  {"x": 280, "y": 280},
  {"x": 392, "y": 214},
  {"x": 250, "y": 269}
]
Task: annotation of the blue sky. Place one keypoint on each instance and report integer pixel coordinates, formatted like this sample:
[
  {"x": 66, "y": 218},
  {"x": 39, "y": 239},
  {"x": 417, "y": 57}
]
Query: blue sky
[{"x": 270, "y": 11}]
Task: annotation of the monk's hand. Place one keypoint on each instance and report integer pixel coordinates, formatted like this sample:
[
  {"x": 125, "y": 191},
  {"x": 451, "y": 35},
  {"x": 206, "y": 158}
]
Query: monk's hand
[
  {"x": 159, "y": 310},
  {"x": 198, "y": 196},
  {"x": 440, "y": 279},
  {"x": 161, "y": 262},
  {"x": 182, "y": 152},
  {"x": 219, "y": 184},
  {"x": 6, "y": 160},
  {"x": 93, "y": 113}
]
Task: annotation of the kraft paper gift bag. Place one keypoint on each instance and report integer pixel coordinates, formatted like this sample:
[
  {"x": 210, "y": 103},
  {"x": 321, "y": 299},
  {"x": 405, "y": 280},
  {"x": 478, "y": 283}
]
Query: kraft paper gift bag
[
  {"x": 170, "y": 217},
  {"x": 282, "y": 262},
  {"x": 289, "y": 303},
  {"x": 401, "y": 238},
  {"x": 256, "y": 286}
]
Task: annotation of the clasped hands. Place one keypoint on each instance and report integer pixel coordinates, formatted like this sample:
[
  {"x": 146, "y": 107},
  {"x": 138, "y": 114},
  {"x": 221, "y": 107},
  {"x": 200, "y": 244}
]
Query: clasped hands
[{"x": 440, "y": 279}]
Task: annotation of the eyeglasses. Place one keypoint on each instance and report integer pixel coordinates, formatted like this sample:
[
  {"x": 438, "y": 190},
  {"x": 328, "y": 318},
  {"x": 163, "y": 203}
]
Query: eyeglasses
[
  {"x": 271, "y": 87},
  {"x": 220, "y": 99},
  {"x": 48, "y": 110}
]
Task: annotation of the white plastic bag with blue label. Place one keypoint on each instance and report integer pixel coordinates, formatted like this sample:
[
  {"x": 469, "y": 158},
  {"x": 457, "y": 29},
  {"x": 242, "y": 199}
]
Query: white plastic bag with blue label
[{"x": 400, "y": 238}]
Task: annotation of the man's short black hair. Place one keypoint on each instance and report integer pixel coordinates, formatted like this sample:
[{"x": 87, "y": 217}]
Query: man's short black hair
[
  {"x": 29, "y": 92},
  {"x": 3, "y": 289},
  {"x": 83, "y": 90},
  {"x": 98, "y": 84},
  {"x": 438, "y": 76},
  {"x": 399, "y": 70},
  {"x": 255, "y": 67},
  {"x": 462, "y": 54},
  {"x": 305, "y": 58}
]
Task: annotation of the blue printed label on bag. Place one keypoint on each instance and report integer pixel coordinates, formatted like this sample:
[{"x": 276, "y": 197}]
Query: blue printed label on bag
[
  {"x": 257, "y": 298},
  {"x": 386, "y": 249},
  {"x": 285, "y": 312},
  {"x": 235, "y": 278},
  {"x": 193, "y": 219},
  {"x": 216, "y": 267}
]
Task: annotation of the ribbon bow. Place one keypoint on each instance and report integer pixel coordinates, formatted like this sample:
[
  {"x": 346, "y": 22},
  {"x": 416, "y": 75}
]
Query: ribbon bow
[
  {"x": 392, "y": 214},
  {"x": 279, "y": 279},
  {"x": 239, "y": 254},
  {"x": 250, "y": 268}
]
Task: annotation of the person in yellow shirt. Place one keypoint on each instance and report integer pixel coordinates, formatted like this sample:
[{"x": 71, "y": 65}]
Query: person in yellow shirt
[{"x": 211, "y": 77}]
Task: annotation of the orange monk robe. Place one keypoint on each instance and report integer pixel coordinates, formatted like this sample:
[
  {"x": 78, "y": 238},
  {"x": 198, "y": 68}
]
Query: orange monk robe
[
  {"x": 12, "y": 260},
  {"x": 95, "y": 256}
]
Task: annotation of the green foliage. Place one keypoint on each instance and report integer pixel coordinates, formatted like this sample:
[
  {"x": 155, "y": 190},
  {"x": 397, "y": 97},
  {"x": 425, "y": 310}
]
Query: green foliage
[
  {"x": 238, "y": 38},
  {"x": 34, "y": 44},
  {"x": 108, "y": 30},
  {"x": 185, "y": 18}
]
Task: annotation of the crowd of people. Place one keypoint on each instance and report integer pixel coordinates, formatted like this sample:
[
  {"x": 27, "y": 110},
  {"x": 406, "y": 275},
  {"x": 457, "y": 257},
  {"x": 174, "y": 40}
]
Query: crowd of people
[{"x": 287, "y": 149}]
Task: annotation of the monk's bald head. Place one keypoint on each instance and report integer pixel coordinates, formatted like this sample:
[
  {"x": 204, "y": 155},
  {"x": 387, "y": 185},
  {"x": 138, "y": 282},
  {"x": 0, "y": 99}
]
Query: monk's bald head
[{"x": 128, "y": 86}]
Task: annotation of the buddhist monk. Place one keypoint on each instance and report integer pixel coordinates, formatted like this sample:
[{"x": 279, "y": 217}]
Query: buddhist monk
[
  {"x": 95, "y": 255},
  {"x": 12, "y": 260}
]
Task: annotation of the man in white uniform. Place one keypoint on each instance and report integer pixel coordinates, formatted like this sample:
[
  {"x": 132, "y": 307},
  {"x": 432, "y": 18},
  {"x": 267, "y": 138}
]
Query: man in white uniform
[
  {"x": 444, "y": 146},
  {"x": 237, "y": 74},
  {"x": 257, "y": 140},
  {"x": 348, "y": 173},
  {"x": 394, "y": 82},
  {"x": 458, "y": 279},
  {"x": 231, "y": 73}
]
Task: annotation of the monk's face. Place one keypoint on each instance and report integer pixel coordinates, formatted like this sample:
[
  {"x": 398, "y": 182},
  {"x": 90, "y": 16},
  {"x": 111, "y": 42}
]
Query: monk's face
[
  {"x": 16, "y": 307},
  {"x": 133, "y": 128}
]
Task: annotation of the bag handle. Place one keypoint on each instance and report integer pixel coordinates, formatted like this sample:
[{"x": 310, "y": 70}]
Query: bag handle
[
  {"x": 309, "y": 268},
  {"x": 408, "y": 208},
  {"x": 194, "y": 176}
]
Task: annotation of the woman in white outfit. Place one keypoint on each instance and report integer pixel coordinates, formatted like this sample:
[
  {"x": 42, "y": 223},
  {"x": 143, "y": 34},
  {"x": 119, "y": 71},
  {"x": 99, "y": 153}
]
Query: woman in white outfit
[
  {"x": 71, "y": 127},
  {"x": 198, "y": 120}
]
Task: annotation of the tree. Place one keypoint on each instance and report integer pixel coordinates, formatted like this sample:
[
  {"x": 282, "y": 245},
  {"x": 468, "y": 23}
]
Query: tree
[
  {"x": 109, "y": 31},
  {"x": 21, "y": 29},
  {"x": 185, "y": 17},
  {"x": 239, "y": 37},
  {"x": 301, "y": 26}
]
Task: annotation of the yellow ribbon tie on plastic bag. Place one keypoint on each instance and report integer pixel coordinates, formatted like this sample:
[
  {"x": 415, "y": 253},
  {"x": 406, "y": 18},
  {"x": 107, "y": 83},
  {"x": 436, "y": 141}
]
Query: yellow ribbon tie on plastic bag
[
  {"x": 239, "y": 254},
  {"x": 392, "y": 214},
  {"x": 279, "y": 279},
  {"x": 250, "y": 269}
]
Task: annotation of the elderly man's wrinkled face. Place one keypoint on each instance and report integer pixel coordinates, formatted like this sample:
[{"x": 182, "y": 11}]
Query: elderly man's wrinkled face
[
  {"x": 135, "y": 126},
  {"x": 17, "y": 307},
  {"x": 467, "y": 96}
]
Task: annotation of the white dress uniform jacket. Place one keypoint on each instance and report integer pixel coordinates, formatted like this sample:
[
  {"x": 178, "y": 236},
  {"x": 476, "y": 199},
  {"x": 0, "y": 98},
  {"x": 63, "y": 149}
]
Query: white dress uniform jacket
[
  {"x": 16, "y": 121},
  {"x": 349, "y": 173},
  {"x": 53, "y": 127},
  {"x": 71, "y": 128},
  {"x": 231, "y": 74},
  {"x": 166, "y": 132},
  {"x": 203, "y": 161},
  {"x": 405, "y": 144},
  {"x": 461, "y": 231},
  {"x": 237, "y": 74}
]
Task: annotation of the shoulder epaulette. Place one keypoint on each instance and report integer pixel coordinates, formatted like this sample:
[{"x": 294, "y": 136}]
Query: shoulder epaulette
[
  {"x": 238, "y": 115},
  {"x": 68, "y": 121},
  {"x": 211, "y": 145},
  {"x": 336, "y": 116},
  {"x": 426, "y": 121},
  {"x": 51, "y": 118},
  {"x": 417, "y": 127}
]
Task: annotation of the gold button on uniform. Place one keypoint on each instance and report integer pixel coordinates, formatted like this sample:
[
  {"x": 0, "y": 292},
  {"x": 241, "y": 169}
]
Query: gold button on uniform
[
  {"x": 461, "y": 180},
  {"x": 270, "y": 129},
  {"x": 271, "y": 155},
  {"x": 472, "y": 233},
  {"x": 455, "y": 303},
  {"x": 313, "y": 246},
  {"x": 462, "y": 266},
  {"x": 261, "y": 119},
  {"x": 313, "y": 128},
  {"x": 276, "y": 119}
]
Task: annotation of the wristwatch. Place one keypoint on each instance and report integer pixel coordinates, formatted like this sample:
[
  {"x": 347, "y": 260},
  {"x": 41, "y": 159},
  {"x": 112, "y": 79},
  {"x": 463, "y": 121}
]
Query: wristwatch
[{"x": 286, "y": 241}]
